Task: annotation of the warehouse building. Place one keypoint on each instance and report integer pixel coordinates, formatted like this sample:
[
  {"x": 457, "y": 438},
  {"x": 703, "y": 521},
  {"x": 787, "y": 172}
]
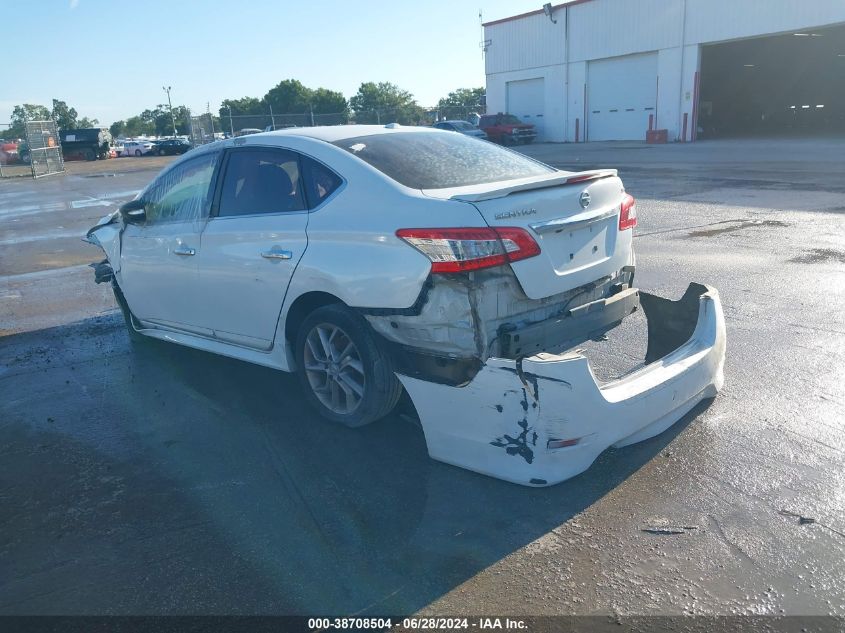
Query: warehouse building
[{"x": 598, "y": 70}]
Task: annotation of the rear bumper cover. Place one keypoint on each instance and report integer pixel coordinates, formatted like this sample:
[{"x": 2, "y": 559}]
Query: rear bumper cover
[{"x": 540, "y": 420}]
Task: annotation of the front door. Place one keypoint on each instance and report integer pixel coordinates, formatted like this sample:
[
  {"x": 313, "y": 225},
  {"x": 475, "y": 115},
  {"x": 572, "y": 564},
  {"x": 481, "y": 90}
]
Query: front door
[{"x": 158, "y": 259}]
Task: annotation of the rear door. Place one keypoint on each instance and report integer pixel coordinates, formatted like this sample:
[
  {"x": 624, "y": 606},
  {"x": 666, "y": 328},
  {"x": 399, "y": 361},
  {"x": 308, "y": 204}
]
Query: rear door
[{"x": 253, "y": 243}]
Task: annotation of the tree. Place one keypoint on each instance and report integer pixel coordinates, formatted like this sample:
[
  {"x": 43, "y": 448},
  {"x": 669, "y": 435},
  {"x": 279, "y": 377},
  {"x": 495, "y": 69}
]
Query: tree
[
  {"x": 289, "y": 97},
  {"x": 118, "y": 128},
  {"x": 23, "y": 113},
  {"x": 325, "y": 101},
  {"x": 137, "y": 126},
  {"x": 85, "y": 122},
  {"x": 463, "y": 98},
  {"x": 385, "y": 102},
  {"x": 64, "y": 116},
  {"x": 242, "y": 107}
]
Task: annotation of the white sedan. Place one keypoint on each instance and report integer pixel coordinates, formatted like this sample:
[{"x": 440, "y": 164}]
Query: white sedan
[
  {"x": 369, "y": 259},
  {"x": 137, "y": 148}
]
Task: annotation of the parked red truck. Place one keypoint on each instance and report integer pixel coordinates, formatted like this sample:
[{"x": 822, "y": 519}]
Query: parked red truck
[{"x": 507, "y": 129}]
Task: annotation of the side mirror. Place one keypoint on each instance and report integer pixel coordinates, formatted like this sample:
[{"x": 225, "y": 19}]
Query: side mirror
[{"x": 134, "y": 212}]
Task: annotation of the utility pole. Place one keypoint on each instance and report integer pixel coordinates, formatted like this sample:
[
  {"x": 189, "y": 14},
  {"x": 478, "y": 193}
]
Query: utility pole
[
  {"x": 210, "y": 118},
  {"x": 231, "y": 125},
  {"x": 170, "y": 105},
  {"x": 272, "y": 118}
]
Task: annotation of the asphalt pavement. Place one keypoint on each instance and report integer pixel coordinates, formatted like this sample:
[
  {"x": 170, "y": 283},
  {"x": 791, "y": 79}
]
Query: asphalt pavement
[{"x": 155, "y": 479}]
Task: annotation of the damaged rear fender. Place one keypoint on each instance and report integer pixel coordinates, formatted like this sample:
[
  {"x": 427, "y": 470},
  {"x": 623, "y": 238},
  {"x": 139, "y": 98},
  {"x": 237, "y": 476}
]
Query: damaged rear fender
[{"x": 543, "y": 419}]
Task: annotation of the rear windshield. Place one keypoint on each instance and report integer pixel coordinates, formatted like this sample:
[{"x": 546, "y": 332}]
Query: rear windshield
[{"x": 437, "y": 161}]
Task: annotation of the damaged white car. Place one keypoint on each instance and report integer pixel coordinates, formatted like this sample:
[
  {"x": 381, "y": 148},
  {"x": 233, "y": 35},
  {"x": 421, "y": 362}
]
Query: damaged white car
[{"x": 370, "y": 258}]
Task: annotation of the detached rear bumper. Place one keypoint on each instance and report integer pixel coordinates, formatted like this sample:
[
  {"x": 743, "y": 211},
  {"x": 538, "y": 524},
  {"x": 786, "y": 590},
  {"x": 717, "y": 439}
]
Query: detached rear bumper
[{"x": 543, "y": 419}]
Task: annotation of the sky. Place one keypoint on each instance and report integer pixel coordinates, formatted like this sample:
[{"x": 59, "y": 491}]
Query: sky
[{"x": 110, "y": 58}]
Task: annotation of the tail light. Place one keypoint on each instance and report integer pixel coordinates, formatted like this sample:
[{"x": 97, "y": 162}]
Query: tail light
[
  {"x": 628, "y": 213},
  {"x": 465, "y": 249}
]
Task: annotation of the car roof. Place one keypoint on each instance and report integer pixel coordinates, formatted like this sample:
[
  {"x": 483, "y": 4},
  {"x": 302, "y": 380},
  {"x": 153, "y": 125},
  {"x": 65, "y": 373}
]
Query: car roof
[{"x": 334, "y": 133}]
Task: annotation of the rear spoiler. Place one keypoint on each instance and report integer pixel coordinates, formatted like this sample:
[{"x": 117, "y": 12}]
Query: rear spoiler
[{"x": 564, "y": 178}]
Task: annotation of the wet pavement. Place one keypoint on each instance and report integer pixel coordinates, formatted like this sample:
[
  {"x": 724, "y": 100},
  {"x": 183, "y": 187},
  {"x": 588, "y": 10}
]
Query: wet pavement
[{"x": 158, "y": 479}]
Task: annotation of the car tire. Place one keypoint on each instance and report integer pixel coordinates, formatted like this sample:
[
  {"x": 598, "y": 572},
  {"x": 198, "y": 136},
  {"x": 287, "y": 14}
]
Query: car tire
[
  {"x": 161, "y": 152},
  {"x": 346, "y": 373},
  {"x": 137, "y": 152},
  {"x": 135, "y": 337}
]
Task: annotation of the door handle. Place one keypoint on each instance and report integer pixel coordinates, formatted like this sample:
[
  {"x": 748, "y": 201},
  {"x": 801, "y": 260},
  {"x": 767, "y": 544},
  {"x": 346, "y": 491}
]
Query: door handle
[
  {"x": 184, "y": 250},
  {"x": 276, "y": 254}
]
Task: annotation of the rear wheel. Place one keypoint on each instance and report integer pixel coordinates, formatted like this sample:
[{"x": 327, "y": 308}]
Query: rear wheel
[
  {"x": 137, "y": 152},
  {"x": 161, "y": 152},
  {"x": 345, "y": 372}
]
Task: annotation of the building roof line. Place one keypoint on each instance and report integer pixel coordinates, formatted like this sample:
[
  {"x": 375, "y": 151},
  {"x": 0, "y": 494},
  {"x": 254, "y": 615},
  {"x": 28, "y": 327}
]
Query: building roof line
[{"x": 535, "y": 12}]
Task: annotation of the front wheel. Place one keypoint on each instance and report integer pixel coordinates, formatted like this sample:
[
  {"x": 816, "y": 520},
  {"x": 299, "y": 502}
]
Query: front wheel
[
  {"x": 347, "y": 375},
  {"x": 161, "y": 152},
  {"x": 137, "y": 152}
]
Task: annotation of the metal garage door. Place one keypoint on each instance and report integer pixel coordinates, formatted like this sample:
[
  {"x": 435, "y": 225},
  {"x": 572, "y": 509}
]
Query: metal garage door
[
  {"x": 526, "y": 99},
  {"x": 621, "y": 93}
]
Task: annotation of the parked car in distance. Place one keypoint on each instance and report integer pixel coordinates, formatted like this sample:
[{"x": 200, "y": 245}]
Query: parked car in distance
[
  {"x": 171, "y": 147},
  {"x": 507, "y": 129},
  {"x": 8, "y": 152},
  {"x": 464, "y": 127},
  {"x": 137, "y": 148}
]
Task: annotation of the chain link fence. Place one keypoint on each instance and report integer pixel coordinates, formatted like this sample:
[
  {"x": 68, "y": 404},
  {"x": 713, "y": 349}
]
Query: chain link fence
[
  {"x": 232, "y": 124},
  {"x": 38, "y": 154},
  {"x": 202, "y": 129},
  {"x": 45, "y": 150}
]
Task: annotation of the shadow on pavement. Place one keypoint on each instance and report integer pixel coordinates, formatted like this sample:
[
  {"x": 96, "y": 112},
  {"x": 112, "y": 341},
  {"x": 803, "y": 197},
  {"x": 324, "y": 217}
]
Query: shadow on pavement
[{"x": 160, "y": 479}]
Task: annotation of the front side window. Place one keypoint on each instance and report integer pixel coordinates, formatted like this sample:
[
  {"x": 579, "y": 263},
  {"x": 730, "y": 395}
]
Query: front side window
[
  {"x": 261, "y": 181},
  {"x": 422, "y": 160},
  {"x": 182, "y": 194}
]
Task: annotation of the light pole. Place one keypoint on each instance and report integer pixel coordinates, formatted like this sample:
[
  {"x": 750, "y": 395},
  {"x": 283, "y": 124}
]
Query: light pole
[
  {"x": 231, "y": 125},
  {"x": 170, "y": 105}
]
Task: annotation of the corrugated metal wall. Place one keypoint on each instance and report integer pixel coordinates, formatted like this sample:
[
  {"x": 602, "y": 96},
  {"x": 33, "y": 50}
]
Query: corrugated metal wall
[{"x": 527, "y": 43}]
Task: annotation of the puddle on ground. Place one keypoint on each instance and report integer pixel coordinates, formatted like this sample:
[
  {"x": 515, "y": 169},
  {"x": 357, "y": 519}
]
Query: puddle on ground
[
  {"x": 819, "y": 255},
  {"x": 736, "y": 225}
]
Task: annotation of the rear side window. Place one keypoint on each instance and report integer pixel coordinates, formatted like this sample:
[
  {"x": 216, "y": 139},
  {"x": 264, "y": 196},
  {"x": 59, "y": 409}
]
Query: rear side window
[
  {"x": 427, "y": 160},
  {"x": 320, "y": 181},
  {"x": 261, "y": 181}
]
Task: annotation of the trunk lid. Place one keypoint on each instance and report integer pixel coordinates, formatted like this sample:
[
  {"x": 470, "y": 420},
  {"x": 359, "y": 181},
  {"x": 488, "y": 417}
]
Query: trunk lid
[{"x": 574, "y": 217}]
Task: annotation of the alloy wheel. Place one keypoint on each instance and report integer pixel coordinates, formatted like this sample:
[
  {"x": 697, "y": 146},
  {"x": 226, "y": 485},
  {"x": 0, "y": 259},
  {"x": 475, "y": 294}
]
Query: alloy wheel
[{"x": 334, "y": 369}]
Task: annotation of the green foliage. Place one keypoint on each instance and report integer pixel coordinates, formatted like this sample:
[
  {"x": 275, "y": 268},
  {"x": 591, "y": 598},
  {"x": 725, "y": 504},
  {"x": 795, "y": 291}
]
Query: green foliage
[
  {"x": 85, "y": 122},
  {"x": 242, "y": 107},
  {"x": 458, "y": 104},
  {"x": 23, "y": 113},
  {"x": 325, "y": 101},
  {"x": 64, "y": 116},
  {"x": 118, "y": 128},
  {"x": 385, "y": 102},
  {"x": 464, "y": 98},
  {"x": 288, "y": 97}
]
